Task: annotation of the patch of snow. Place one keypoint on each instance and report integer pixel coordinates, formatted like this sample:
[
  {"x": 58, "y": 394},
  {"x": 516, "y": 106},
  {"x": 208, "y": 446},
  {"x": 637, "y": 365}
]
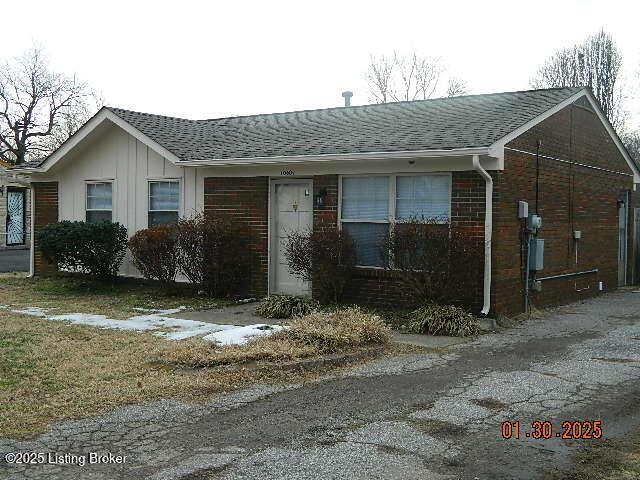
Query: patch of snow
[
  {"x": 169, "y": 311},
  {"x": 33, "y": 311},
  {"x": 241, "y": 335},
  {"x": 100, "y": 321},
  {"x": 248, "y": 300},
  {"x": 176, "y": 328}
]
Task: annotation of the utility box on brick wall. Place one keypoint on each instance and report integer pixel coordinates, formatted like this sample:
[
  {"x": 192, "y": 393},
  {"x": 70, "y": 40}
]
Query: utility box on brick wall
[{"x": 536, "y": 254}]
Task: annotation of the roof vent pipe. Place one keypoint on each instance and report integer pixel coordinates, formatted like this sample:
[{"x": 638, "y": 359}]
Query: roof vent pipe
[{"x": 347, "y": 98}]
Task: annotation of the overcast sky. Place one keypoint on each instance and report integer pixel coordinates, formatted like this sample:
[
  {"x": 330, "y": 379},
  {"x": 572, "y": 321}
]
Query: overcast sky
[{"x": 212, "y": 59}]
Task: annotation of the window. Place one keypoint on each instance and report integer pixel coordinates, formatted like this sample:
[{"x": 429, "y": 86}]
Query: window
[
  {"x": 164, "y": 202},
  {"x": 365, "y": 216},
  {"x": 371, "y": 205},
  {"x": 99, "y": 205},
  {"x": 423, "y": 197}
]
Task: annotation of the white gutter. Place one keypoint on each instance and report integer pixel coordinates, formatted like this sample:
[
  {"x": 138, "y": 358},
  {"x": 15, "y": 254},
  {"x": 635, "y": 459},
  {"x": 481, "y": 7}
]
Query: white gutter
[
  {"x": 488, "y": 228},
  {"x": 329, "y": 157}
]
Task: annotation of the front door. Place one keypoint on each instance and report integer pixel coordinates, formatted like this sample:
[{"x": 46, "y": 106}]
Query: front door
[
  {"x": 622, "y": 240},
  {"x": 15, "y": 216},
  {"x": 292, "y": 212}
]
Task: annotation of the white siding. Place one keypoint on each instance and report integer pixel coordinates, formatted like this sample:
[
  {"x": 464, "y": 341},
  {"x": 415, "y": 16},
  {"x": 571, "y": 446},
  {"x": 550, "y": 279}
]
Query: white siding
[{"x": 116, "y": 156}]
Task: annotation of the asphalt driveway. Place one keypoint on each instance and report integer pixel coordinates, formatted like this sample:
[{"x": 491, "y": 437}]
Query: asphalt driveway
[
  {"x": 430, "y": 416},
  {"x": 14, "y": 260}
]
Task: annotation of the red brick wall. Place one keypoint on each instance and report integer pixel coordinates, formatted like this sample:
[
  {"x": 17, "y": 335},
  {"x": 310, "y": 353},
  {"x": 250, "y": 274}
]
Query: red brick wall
[
  {"x": 247, "y": 199},
  {"x": 380, "y": 287},
  {"x": 571, "y": 197},
  {"x": 45, "y": 212}
]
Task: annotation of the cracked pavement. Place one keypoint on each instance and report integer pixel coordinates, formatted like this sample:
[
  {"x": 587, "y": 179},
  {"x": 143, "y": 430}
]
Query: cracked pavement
[{"x": 427, "y": 416}]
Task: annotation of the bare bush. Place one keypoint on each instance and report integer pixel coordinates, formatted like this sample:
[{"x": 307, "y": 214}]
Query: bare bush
[
  {"x": 325, "y": 257},
  {"x": 154, "y": 252},
  {"x": 214, "y": 253},
  {"x": 435, "y": 261}
]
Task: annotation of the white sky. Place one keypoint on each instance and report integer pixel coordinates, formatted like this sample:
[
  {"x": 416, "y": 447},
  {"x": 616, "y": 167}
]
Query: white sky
[{"x": 212, "y": 59}]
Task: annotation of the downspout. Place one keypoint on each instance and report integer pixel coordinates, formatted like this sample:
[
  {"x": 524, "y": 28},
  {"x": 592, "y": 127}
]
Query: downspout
[
  {"x": 32, "y": 241},
  {"x": 488, "y": 228}
]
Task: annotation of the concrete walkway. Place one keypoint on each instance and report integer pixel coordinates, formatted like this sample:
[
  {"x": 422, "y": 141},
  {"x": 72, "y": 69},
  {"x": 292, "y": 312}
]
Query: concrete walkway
[
  {"x": 428, "y": 416},
  {"x": 243, "y": 314}
]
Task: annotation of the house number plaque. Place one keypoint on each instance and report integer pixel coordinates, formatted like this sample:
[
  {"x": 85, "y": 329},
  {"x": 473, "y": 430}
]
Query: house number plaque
[{"x": 287, "y": 173}]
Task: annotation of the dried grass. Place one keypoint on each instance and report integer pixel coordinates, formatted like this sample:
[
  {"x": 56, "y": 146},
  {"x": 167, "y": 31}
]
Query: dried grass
[
  {"x": 52, "y": 371},
  {"x": 314, "y": 334}
]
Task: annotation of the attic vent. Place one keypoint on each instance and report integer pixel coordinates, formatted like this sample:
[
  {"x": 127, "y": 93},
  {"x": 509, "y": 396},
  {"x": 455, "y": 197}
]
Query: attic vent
[{"x": 347, "y": 98}]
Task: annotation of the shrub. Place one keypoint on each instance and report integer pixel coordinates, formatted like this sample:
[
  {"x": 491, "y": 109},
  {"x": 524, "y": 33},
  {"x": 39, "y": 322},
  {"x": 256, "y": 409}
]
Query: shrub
[
  {"x": 93, "y": 248},
  {"x": 214, "y": 252},
  {"x": 436, "y": 262},
  {"x": 285, "y": 306},
  {"x": 154, "y": 252},
  {"x": 325, "y": 257},
  {"x": 343, "y": 328},
  {"x": 312, "y": 335},
  {"x": 438, "y": 319}
]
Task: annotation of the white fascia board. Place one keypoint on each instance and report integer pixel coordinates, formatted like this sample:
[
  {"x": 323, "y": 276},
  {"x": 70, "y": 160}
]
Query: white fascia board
[
  {"x": 94, "y": 122},
  {"x": 332, "y": 157},
  {"x": 614, "y": 135},
  {"x": 497, "y": 148}
]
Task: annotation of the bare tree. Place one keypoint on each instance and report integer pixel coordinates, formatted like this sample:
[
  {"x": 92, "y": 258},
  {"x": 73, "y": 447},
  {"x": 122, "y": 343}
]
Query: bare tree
[
  {"x": 596, "y": 64},
  {"x": 39, "y": 109},
  {"x": 456, "y": 87},
  {"x": 632, "y": 142},
  {"x": 403, "y": 77}
]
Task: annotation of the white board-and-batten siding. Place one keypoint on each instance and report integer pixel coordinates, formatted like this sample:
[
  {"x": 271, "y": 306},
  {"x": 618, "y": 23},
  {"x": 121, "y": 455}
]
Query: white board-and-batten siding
[{"x": 129, "y": 164}]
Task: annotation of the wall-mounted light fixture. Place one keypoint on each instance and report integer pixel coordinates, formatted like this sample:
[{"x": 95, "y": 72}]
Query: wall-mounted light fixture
[{"x": 320, "y": 197}]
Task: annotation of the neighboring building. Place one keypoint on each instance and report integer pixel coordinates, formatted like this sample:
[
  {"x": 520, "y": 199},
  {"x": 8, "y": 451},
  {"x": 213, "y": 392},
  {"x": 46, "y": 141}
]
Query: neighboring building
[
  {"x": 15, "y": 208},
  {"x": 468, "y": 160}
]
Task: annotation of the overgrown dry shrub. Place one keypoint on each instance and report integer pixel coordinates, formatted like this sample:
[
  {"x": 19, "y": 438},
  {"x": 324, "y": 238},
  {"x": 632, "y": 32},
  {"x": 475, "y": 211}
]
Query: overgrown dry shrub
[
  {"x": 214, "y": 253},
  {"x": 436, "y": 262},
  {"x": 324, "y": 256},
  {"x": 340, "y": 329},
  {"x": 154, "y": 252},
  {"x": 308, "y": 336},
  {"x": 285, "y": 306},
  {"x": 435, "y": 319}
]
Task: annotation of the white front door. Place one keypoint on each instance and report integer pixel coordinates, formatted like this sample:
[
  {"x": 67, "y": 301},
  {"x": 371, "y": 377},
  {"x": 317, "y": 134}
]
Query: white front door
[{"x": 292, "y": 211}]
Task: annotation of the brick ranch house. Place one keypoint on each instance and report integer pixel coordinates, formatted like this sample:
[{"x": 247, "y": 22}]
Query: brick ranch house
[{"x": 467, "y": 160}]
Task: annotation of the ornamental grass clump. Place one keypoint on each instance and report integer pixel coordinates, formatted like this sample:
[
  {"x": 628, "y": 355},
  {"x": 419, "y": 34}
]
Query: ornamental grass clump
[
  {"x": 436, "y": 319},
  {"x": 285, "y": 306},
  {"x": 338, "y": 330}
]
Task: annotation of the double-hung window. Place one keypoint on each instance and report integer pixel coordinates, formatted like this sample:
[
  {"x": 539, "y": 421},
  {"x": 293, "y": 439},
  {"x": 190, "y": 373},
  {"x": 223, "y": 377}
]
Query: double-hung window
[
  {"x": 370, "y": 205},
  {"x": 99, "y": 205},
  {"x": 164, "y": 202},
  {"x": 365, "y": 216}
]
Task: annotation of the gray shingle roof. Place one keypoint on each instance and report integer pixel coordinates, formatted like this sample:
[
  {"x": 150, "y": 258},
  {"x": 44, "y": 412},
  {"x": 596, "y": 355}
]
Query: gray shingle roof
[
  {"x": 436, "y": 124},
  {"x": 443, "y": 123}
]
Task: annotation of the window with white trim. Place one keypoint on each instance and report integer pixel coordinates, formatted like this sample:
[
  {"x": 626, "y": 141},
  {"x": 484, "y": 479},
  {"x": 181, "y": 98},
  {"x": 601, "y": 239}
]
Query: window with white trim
[
  {"x": 99, "y": 203},
  {"x": 164, "y": 202},
  {"x": 370, "y": 205}
]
